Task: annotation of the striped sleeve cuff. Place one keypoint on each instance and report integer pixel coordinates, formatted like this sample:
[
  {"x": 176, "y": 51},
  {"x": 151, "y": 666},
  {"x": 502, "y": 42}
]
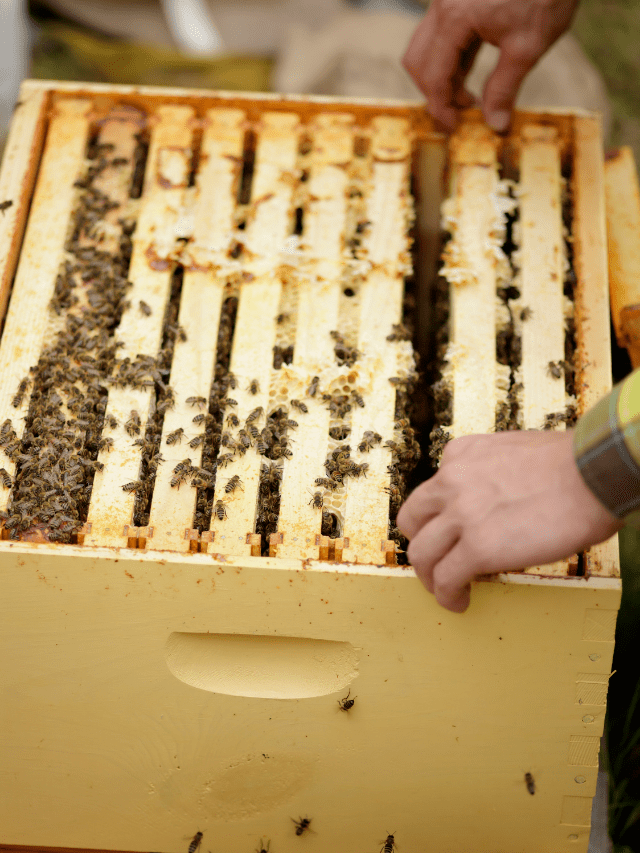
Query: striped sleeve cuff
[{"x": 606, "y": 446}]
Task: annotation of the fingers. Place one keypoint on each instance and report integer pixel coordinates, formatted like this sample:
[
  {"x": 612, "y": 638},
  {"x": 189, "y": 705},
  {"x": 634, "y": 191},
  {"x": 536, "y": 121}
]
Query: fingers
[
  {"x": 501, "y": 88},
  {"x": 429, "y": 546},
  {"x": 439, "y": 69},
  {"x": 420, "y": 507}
]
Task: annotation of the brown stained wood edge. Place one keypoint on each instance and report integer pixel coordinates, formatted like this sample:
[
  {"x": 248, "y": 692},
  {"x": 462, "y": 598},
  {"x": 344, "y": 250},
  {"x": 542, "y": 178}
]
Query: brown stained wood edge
[
  {"x": 255, "y": 103},
  {"x": 28, "y": 154},
  {"x": 593, "y": 378}
]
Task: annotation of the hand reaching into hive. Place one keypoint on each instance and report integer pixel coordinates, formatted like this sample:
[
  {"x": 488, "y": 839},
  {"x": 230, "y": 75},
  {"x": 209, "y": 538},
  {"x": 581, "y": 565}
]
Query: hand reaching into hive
[
  {"x": 500, "y": 502},
  {"x": 446, "y": 42}
]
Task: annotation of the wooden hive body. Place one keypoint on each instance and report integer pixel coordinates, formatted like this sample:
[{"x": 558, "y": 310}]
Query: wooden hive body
[{"x": 162, "y": 680}]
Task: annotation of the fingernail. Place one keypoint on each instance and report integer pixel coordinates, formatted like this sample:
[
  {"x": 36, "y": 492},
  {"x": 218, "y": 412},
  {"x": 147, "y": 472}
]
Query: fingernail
[{"x": 499, "y": 120}]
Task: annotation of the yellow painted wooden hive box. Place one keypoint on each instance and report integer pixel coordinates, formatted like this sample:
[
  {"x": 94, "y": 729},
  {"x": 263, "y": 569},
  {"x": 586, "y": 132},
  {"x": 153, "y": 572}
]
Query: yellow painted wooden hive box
[{"x": 202, "y": 456}]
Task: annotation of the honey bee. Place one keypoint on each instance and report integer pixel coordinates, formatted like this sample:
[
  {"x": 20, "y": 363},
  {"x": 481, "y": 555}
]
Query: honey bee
[
  {"x": 105, "y": 444},
  {"x": 111, "y": 422},
  {"x": 261, "y": 446},
  {"x": 224, "y": 459},
  {"x": 302, "y": 824},
  {"x": 554, "y": 369},
  {"x": 135, "y": 486},
  {"x": 185, "y": 465},
  {"x": 526, "y": 313},
  {"x": 175, "y": 436},
  {"x": 245, "y": 438},
  {"x": 22, "y": 387},
  {"x": 280, "y": 452},
  {"x": 369, "y": 441},
  {"x": 316, "y": 500},
  {"x": 132, "y": 426},
  {"x": 220, "y": 510},
  {"x": 177, "y": 480},
  {"x": 232, "y": 380},
  {"x": 232, "y": 420},
  {"x": 234, "y": 483},
  {"x": 300, "y": 406},
  {"x": 331, "y": 485},
  {"x": 530, "y": 783},
  {"x": 229, "y": 401},
  {"x": 347, "y": 704},
  {"x": 5, "y": 477},
  {"x": 254, "y": 415},
  {"x": 339, "y": 433},
  {"x": 357, "y": 397},
  {"x": 399, "y": 333},
  {"x": 389, "y": 844},
  {"x": 553, "y": 419},
  {"x": 196, "y": 841},
  {"x": 197, "y": 441},
  {"x": 253, "y": 387},
  {"x": 5, "y": 205},
  {"x": 313, "y": 387},
  {"x": 281, "y": 318},
  {"x": 196, "y": 401},
  {"x": 397, "y": 380},
  {"x": 356, "y": 470},
  {"x": 226, "y": 440},
  {"x": 144, "y": 308},
  {"x": 264, "y": 849}
]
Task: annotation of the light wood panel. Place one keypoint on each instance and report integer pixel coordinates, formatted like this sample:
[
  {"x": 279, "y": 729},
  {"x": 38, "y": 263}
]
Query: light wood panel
[
  {"x": 388, "y": 207},
  {"x": 255, "y": 331},
  {"x": 42, "y": 254},
  {"x": 319, "y": 291},
  {"x": 150, "y": 271},
  {"x": 470, "y": 267},
  {"x": 593, "y": 333},
  {"x": 541, "y": 275},
  {"x": 193, "y": 365}
]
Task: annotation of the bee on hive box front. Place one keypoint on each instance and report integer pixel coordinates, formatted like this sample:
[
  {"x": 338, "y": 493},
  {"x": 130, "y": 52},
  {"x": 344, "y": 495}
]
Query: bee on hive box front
[
  {"x": 389, "y": 845},
  {"x": 196, "y": 841},
  {"x": 313, "y": 387},
  {"x": 302, "y": 824},
  {"x": 253, "y": 387},
  {"x": 346, "y": 704},
  {"x": 530, "y": 783},
  {"x": 317, "y": 500}
]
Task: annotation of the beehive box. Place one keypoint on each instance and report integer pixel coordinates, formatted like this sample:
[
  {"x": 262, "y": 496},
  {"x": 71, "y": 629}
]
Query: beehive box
[{"x": 179, "y": 666}]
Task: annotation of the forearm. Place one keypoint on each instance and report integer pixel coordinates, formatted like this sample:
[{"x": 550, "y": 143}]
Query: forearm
[{"x": 606, "y": 446}]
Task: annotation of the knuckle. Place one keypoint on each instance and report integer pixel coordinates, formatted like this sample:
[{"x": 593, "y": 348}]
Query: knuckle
[{"x": 477, "y": 547}]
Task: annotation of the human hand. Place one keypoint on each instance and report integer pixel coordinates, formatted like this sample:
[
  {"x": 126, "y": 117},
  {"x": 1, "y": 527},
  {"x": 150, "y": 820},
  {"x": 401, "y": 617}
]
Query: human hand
[
  {"x": 500, "y": 502},
  {"x": 446, "y": 42}
]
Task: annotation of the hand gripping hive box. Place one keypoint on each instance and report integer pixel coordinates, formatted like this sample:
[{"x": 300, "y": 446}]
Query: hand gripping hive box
[{"x": 207, "y": 387}]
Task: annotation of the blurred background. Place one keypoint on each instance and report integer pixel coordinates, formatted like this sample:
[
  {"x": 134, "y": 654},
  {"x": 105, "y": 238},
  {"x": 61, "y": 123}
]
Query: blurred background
[{"x": 353, "y": 48}]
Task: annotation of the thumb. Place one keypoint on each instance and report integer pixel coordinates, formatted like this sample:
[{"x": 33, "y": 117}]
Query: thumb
[{"x": 501, "y": 88}]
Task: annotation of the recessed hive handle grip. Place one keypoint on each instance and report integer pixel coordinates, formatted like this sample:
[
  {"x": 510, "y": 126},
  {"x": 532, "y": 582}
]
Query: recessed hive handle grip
[{"x": 261, "y": 666}]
